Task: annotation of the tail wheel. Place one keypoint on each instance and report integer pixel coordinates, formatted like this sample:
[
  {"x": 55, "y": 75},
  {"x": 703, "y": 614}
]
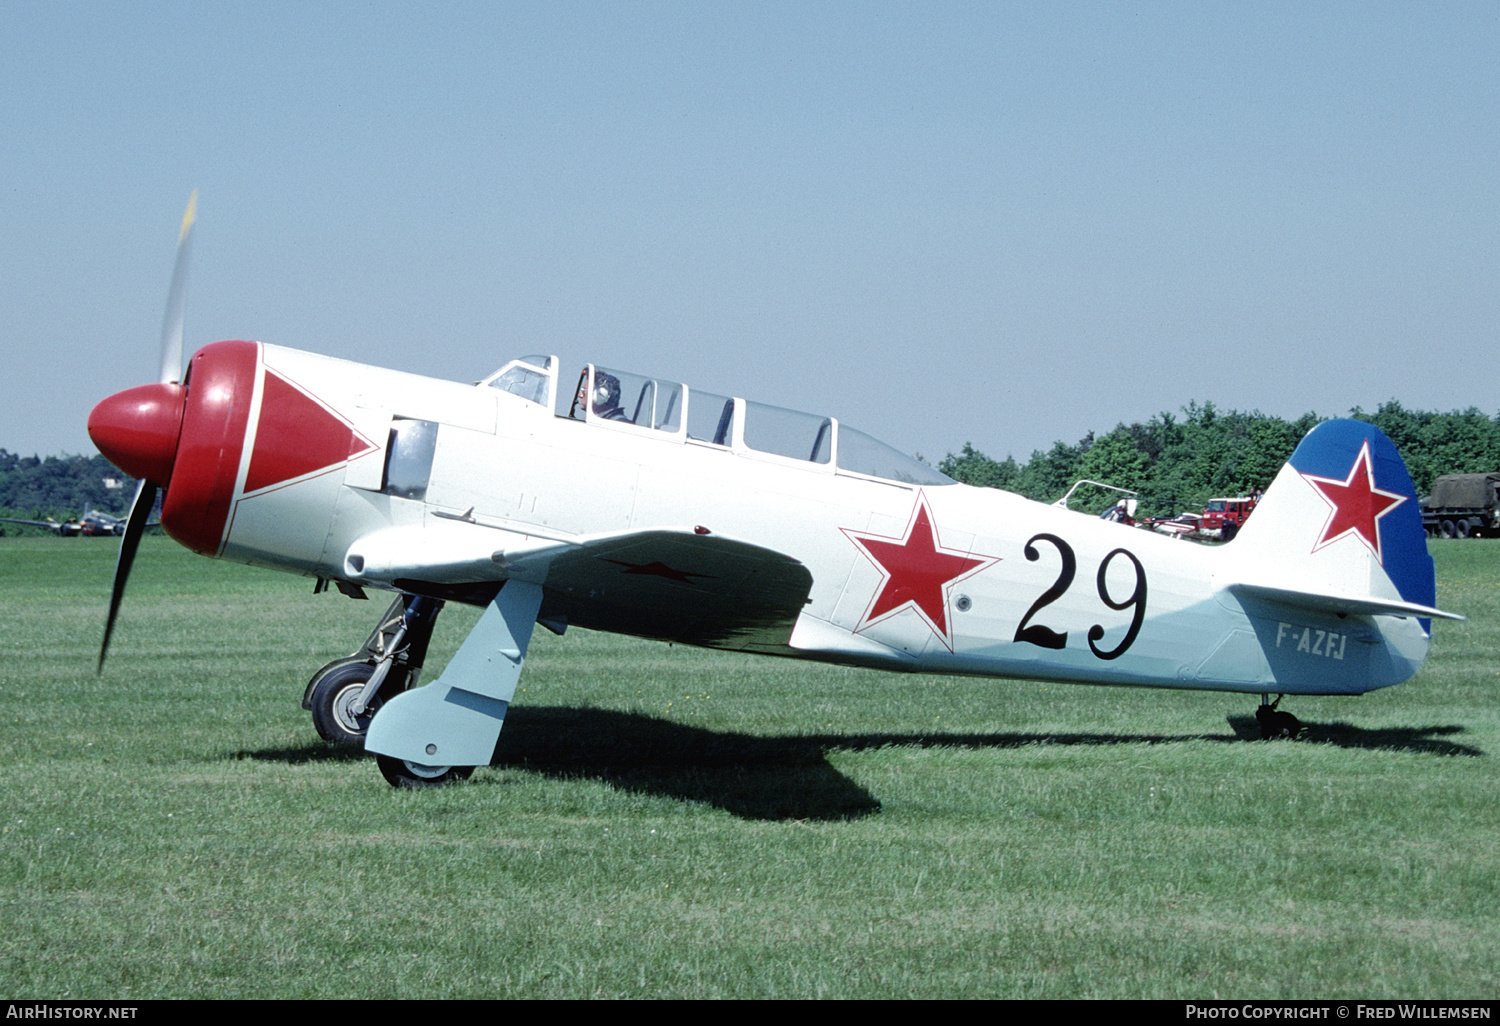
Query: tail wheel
[
  {"x": 1280, "y": 726},
  {"x": 415, "y": 776},
  {"x": 1276, "y": 725}
]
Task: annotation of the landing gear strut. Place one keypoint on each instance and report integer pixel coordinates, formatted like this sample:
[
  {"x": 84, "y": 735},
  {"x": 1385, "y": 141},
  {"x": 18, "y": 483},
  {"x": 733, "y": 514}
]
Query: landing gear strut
[
  {"x": 433, "y": 734},
  {"x": 1276, "y": 725},
  {"x": 344, "y": 694}
]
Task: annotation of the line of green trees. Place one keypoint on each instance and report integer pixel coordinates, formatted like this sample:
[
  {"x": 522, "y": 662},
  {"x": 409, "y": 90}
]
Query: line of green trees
[
  {"x": 1177, "y": 463},
  {"x": 1174, "y": 462},
  {"x": 62, "y": 487}
]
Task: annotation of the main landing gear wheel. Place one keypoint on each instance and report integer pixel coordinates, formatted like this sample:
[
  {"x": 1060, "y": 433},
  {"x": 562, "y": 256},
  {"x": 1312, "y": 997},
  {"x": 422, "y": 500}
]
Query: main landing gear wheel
[
  {"x": 400, "y": 773},
  {"x": 1276, "y": 725},
  {"x": 399, "y": 643},
  {"x": 334, "y": 694}
]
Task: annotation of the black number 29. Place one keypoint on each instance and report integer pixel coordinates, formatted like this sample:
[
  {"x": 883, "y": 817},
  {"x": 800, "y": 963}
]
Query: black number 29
[{"x": 1045, "y": 637}]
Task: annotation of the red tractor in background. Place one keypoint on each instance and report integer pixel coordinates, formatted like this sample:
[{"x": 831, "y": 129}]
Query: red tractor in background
[
  {"x": 1223, "y": 518},
  {"x": 1220, "y": 520}
]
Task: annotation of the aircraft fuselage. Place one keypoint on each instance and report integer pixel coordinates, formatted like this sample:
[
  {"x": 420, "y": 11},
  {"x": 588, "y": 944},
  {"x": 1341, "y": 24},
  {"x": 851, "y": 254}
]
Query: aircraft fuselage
[{"x": 471, "y": 486}]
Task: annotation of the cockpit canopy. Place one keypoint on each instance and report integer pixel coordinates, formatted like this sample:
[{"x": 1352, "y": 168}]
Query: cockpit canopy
[
  {"x": 670, "y": 410},
  {"x": 533, "y": 378}
]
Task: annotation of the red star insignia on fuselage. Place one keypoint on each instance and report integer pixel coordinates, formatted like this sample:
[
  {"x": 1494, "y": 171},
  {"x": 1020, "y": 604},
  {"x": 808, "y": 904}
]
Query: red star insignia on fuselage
[
  {"x": 1356, "y": 504},
  {"x": 917, "y": 572}
]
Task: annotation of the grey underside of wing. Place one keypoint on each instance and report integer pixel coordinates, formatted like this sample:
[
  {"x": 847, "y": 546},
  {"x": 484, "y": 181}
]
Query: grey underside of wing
[{"x": 698, "y": 590}]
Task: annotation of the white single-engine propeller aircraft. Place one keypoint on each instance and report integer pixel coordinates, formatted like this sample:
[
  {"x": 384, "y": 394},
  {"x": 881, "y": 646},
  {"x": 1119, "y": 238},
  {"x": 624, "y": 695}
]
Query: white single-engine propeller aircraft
[{"x": 643, "y": 506}]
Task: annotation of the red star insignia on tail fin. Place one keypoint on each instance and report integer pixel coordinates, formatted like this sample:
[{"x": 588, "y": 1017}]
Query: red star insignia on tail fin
[
  {"x": 1357, "y": 504},
  {"x": 917, "y": 572}
]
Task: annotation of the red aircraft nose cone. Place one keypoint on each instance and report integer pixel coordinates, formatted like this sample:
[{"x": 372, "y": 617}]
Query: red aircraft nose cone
[{"x": 137, "y": 430}]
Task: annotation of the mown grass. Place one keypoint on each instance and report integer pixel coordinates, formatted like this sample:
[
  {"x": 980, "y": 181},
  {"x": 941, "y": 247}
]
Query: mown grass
[{"x": 665, "y": 821}]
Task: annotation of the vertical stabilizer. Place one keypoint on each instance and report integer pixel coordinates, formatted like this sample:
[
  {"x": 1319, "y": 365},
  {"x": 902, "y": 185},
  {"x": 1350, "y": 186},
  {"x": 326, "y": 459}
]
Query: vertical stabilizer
[{"x": 1341, "y": 517}]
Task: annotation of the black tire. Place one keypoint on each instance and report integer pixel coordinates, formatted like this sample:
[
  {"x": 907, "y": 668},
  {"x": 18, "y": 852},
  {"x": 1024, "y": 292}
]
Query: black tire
[
  {"x": 336, "y": 689},
  {"x": 1461, "y": 528},
  {"x": 323, "y": 671},
  {"x": 413, "y": 776},
  {"x": 1446, "y": 529},
  {"x": 1276, "y": 725}
]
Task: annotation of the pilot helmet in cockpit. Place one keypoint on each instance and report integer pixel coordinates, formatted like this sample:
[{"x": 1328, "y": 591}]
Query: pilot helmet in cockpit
[{"x": 606, "y": 394}]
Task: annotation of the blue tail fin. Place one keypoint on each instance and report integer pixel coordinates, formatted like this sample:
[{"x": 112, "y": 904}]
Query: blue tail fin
[{"x": 1343, "y": 517}]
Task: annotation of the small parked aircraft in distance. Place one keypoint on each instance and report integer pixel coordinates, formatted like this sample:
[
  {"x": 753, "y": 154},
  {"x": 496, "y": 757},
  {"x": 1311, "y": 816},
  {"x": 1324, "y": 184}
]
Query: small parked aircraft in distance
[
  {"x": 643, "y": 506},
  {"x": 91, "y": 524}
]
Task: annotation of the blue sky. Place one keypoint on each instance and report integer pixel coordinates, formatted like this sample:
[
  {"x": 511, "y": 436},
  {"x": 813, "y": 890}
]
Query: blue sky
[{"x": 998, "y": 223}]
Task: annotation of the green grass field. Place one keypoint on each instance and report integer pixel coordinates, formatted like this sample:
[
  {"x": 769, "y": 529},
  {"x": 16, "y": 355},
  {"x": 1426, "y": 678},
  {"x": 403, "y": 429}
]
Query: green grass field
[{"x": 668, "y": 822}]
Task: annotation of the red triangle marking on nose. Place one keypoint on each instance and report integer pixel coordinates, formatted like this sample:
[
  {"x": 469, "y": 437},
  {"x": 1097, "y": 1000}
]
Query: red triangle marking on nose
[{"x": 297, "y": 435}]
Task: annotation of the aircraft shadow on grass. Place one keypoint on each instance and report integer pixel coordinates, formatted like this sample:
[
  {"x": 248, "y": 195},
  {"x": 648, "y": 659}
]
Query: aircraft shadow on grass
[
  {"x": 790, "y": 777},
  {"x": 1426, "y": 740}
]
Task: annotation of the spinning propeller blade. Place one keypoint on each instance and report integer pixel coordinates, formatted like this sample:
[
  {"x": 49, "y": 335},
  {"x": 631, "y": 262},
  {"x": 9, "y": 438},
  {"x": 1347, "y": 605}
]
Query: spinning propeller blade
[
  {"x": 135, "y": 526},
  {"x": 171, "y": 374},
  {"x": 171, "y": 329}
]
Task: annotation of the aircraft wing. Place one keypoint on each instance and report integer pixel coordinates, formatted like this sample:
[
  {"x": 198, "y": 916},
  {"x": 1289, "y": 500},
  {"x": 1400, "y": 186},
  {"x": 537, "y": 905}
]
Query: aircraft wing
[
  {"x": 680, "y": 586},
  {"x": 672, "y": 584},
  {"x": 50, "y": 525}
]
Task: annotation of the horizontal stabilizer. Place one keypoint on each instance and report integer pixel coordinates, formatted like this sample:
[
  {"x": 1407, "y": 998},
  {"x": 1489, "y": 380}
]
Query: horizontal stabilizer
[{"x": 1353, "y": 605}]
